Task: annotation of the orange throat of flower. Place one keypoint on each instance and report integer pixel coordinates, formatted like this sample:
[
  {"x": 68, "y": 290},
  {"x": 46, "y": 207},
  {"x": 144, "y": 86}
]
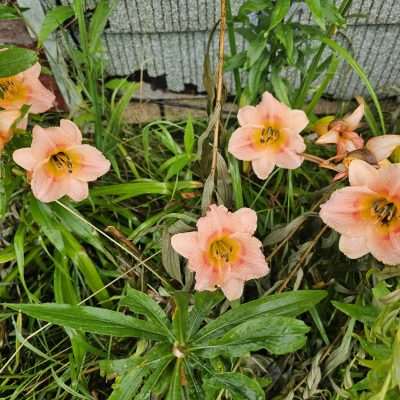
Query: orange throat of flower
[
  {"x": 13, "y": 92},
  {"x": 270, "y": 136},
  {"x": 384, "y": 213},
  {"x": 223, "y": 251}
]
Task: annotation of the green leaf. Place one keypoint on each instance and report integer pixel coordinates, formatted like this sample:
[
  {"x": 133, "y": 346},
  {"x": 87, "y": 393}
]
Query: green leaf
[
  {"x": 284, "y": 33},
  {"x": 360, "y": 72},
  {"x": 280, "y": 11},
  {"x": 142, "y": 187},
  {"x": 15, "y": 60},
  {"x": 358, "y": 312},
  {"x": 91, "y": 319},
  {"x": 153, "y": 380},
  {"x": 188, "y": 137},
  {"x": 127, "y": 387},
  {"x": 143, "y": 304},
  {"x": 279, "y": 86},
  {"x": 240, "y": 386},
  {"x": 175, "y": 391},
  {"x": 204, "y": 302},
  {"x": 169, "y": 257},
  {"x": 42, "y": 215},
  {"x": 317, "y": 12},
  {"x": 8, "y": 12},
  {"x": 288, "y": 304},
  {"x": 279, "y": 335},
  {"x": 180, "y": 316},
  {"x": 256, "y": 48},
  {"x": 98, "y": 23},
  {"x": 53, "y": 19},
  {"x": 251, "y": 6}
]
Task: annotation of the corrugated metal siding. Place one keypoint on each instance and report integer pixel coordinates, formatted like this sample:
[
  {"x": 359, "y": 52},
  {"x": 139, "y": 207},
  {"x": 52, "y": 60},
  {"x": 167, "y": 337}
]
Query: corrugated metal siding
[{"x": 169, "y": 37}]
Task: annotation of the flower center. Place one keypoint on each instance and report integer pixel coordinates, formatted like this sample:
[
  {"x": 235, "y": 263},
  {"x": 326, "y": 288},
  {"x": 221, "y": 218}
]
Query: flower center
[
  {"x": 12, "y": 89},
  {"x": 61, "y": 162},
  {"x": 384, "y": 211},
  {"x": 224, "y": 250},
  {"x": 269, "y": 135}
]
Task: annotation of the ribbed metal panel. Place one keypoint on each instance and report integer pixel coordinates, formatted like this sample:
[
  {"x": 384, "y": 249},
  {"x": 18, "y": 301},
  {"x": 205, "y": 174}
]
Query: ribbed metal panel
[{"x": 168, "y": 37}]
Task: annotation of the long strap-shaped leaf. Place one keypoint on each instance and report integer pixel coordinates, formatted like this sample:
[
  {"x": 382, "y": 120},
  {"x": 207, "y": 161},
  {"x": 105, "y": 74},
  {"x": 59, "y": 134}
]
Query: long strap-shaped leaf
[
  {"x": 91, "y": 319},
  {"x": 288, "y": 304}
]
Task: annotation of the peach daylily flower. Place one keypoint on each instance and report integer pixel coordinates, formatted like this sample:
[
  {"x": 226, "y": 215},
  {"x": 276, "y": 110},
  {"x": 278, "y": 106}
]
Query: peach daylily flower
[
  {"x": 7, "y": 120},
  {"x": 269, "y": 136},
  {"x": 223, "y": 251},
  {"x": 25, "y": 88},
  {"x": 367, "y": 214},
  {"x": 342, "y": 133},
  {"x": 60, "y": 164}
]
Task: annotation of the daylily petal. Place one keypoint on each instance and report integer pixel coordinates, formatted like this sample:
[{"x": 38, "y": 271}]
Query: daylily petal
[
  {"x": 296, "y": 121},
  {"x": 233, "y": 289},
  {"x": 353, "y": 120},
  {"x": 185, "y": 243},
  {"x": 241, "y": 144},
  {"x": 383, "y": 146},
  {"x": 271, "y": 109},
  {"x": 262, "y": 167},
  {"x": 331, "y": 137},
  {"x": 92, "y": 163},
  {"x": 382, "y": 247},
  {"x": 25, "y": 159},
  {"x": 249, "y": 115},
  {"x": 46, "y": 187},
  {"x": 73, "y": 131},
  {"x": 342, "y": 211},
  {"x": 246, "y": 220},
  {"x": 353, "y": 246},
  {"x": 288, "y": 159},
  {"x": 78, "y": 190},
  {"x": 361, "y": 173}
]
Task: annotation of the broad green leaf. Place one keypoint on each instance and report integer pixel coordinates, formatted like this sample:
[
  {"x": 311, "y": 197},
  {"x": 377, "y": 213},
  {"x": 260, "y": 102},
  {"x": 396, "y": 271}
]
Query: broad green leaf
[
  {"x": 15, "y": 60},
  {"x": 278, "y": 14},
  {"x": 126, "y": 387},
  {"x": 53, "y": 19},
  {"x": 240, "y": 386},
  {"x": 317, "y": 12},
  {"x": 288, "y": 304},
  {"x": 7, "y": 254},
  {"x": 143, "y": 304},
  {"x": 91, "y": 319},
  {"x": 278, "y": 335},
  {"x": 204, "y": 302},
  {"x": 284, "y": 33},
  {"x": 256, "y": 48},
  {"x": 180, "y": 316},
  {"x": 361, "y": 313},
  {"x": 153, "y": 380},
  {"x": 251, "y": 6}
]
